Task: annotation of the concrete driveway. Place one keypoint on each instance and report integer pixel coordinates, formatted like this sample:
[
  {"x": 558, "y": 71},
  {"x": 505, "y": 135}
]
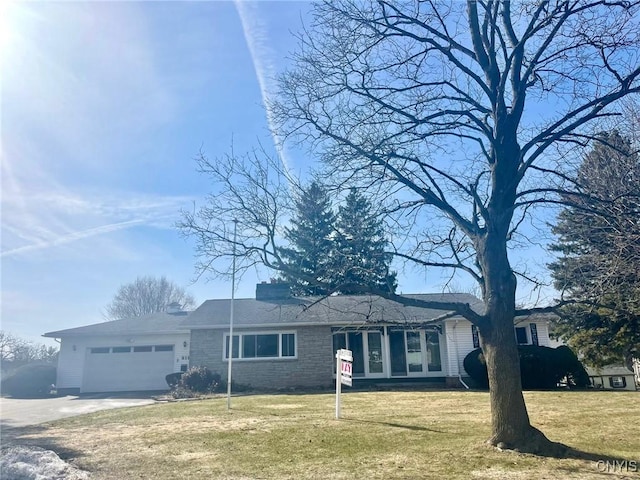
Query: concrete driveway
[{"x": 19, "y": 412}]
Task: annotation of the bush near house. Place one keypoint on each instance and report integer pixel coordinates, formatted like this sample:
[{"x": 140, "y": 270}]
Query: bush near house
[
  {"x": 173, "y": 379},
  {"x": 194, "y": 382},
  {"x": 541, "y": 368},
  {"x": 30, "y": 381}
]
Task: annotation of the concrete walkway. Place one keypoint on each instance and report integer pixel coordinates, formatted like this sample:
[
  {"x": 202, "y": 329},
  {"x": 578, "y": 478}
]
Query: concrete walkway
[{"x": 19, "y": 412}]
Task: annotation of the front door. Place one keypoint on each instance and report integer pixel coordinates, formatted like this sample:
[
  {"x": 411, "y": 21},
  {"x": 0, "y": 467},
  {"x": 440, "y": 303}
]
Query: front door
[
  {"x": 367, "y": 349},
  {"x": 375, "y": 366},
  {"x": 414, "y": 353},
  {"x": 397, "y": 348},
  {"x": 356, "y": 345}
]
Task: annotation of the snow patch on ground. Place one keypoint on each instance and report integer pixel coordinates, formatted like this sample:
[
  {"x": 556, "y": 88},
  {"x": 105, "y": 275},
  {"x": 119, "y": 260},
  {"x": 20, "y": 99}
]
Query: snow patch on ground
[{"x": 33, "y": 463}]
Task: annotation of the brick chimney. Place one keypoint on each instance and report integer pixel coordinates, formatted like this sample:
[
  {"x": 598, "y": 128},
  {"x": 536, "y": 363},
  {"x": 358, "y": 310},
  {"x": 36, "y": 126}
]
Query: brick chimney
[
  {"x": 273, "y": 291},
  {"x": 174, "y": 308}
]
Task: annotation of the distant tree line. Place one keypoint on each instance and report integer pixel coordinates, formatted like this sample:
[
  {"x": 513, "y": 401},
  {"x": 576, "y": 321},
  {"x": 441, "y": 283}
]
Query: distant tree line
[{"x": 15, "y": 352}]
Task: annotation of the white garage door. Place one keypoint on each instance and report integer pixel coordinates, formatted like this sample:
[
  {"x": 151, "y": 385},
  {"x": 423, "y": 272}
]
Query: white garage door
[{"x": 127, "y": 368}]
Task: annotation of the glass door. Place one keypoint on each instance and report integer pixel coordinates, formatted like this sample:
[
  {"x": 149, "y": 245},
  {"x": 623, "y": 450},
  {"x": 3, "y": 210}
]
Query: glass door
[
  {"x": 374, "y": 354},
  {"x": 397, "y": 349},
  {"x": 414, "y": 352},
  {"x": 410, "y": 350},
  {"x": 355, "y": 344},
  {"x": 434, "y": 362},
  {"x": 366, "y": 348}
]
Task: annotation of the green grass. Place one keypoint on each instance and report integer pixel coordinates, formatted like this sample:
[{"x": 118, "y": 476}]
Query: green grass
[{"x": 382, "y": 435}]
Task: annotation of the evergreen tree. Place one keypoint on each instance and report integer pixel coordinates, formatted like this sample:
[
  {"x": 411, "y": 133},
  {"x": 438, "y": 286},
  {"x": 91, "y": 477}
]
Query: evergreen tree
[
  {"x": 360, "y": 257},
  {"x": 599, "y": 247},
  {"x": 308, "y": 264}
]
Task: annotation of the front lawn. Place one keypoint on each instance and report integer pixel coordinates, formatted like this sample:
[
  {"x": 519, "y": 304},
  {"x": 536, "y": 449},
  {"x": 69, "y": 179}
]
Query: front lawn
[{"x": 382, "y": 435}]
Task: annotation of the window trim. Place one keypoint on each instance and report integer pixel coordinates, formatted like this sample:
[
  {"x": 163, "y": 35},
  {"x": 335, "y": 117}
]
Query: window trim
[
  {"x": 121, "y": 349},
  {"x": 526, "y": 334},
  {"x": 279, "y": 357},
  {"x": 164, "y": 348},
  {"x": 99, "y": 350},
  {"x": 623, "y": 383},
  {"x": 143, "y": 349}
]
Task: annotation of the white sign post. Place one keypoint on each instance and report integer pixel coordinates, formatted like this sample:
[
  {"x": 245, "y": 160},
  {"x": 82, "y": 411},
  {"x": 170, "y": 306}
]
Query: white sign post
[{"x": 344, "y": 370}]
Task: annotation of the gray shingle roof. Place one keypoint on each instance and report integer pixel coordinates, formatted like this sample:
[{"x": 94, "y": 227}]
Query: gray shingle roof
[
  {"x": 612, "y": 370},
  {"x": 145, "y": 324},
  {"x": 334, "y": 310}
]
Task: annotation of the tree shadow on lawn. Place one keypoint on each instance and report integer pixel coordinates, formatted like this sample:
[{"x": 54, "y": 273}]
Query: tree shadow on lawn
[
  {"x": 575, "y": 454},
  {"x": 36, "y": 436},
  {"x": 392, "y": 424},
  {"x": 567, "y": 452}
]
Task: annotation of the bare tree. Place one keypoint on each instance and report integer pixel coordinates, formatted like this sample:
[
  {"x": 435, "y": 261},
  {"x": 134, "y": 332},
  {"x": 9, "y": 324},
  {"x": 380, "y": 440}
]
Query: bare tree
[
  {"x": 10, "y": 346},
  {"x": 15, "y": 351},
  {"x": 459, "y": 119},
  {"x": 147, "y": 295}
]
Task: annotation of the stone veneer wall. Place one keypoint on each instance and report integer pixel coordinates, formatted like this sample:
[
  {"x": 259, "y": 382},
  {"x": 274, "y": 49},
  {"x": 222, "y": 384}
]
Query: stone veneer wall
[{"x": 313, "y": 366}]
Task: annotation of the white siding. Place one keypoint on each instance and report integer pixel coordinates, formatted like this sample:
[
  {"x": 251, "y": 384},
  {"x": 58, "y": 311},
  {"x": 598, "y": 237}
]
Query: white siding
[
  {"x": 459, "y": 338},
  {"x": 70, "y": 363},
  {"x": 543, "y": 334},
  {"x": 459, "y": 344},
  {"x": 73, "y": 351}
]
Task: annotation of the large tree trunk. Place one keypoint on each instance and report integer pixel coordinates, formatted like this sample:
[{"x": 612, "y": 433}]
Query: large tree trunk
[{"x": 510, "y": 426}]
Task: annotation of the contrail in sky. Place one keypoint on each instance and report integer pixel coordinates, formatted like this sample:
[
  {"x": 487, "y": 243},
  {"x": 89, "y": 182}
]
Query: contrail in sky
[
  {"x": 262, "y": 57},
  {"x": 72, "y": 237}
]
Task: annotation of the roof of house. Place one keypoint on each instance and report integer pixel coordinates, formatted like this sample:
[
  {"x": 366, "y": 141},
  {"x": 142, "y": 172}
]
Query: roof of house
[
  {"x": 608, "y": 370},
  {"x": 332, "y": 310},
  {"x": 161, "y": 323}
]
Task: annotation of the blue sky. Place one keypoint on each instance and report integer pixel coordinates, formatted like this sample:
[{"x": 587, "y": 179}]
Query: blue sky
[{"x": 104, "y": 107}]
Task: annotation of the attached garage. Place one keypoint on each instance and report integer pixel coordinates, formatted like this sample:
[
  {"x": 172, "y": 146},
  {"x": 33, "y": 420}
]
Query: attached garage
[
  {"x": 134, "y": 354},
  {"x": 127, "y": 368}
]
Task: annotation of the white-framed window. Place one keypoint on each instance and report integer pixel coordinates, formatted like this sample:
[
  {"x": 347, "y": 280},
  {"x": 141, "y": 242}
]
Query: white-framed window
[
  {"x": 521, "y": 336},
  {"x": 617, "y": 382},
  {"x": 101, "y": 350},
  {"x": 129, "y": 349},
  {"x": 261, "y": 345}
]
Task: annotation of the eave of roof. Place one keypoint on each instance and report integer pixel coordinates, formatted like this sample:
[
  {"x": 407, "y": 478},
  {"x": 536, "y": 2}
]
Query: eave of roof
[
  {"x": 156, "y": 323},
  {"x": 608, "y": 370},
  {"x": 309, "y": 311}
]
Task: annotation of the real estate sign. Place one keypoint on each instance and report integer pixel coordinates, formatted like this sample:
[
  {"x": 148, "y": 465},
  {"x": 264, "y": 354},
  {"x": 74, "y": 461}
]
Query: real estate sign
[{"x": 344, "y": 369}]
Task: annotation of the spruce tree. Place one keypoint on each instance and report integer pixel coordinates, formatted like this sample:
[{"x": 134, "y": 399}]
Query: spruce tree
[
  {"x": 599, "y": 254},
  {"x": 360, "y": 258},
  {"x": 308, "y": 264}
]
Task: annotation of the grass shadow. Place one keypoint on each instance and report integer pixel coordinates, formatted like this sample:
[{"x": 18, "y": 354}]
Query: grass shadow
[
  {"x": 36, "y": 436},
  {"x": 575, "y": 454},
  {"x": 393, "y": 424}
]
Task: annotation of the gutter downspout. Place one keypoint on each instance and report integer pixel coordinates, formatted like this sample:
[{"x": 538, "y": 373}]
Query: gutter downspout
[{"x": 455, "y": 343}]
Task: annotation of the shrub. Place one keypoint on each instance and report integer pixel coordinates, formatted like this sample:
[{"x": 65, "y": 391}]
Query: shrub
[
  {"x": 476, "y": 367},
  {"x": 173, "y": 379},
  {"x": 30, "y": 381},
  {"x": 540, "y": 367},
  {"x": 201, "y": 380},
  {"x": 576, "y": 376},
  {"x": 181, "y": 392}
]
